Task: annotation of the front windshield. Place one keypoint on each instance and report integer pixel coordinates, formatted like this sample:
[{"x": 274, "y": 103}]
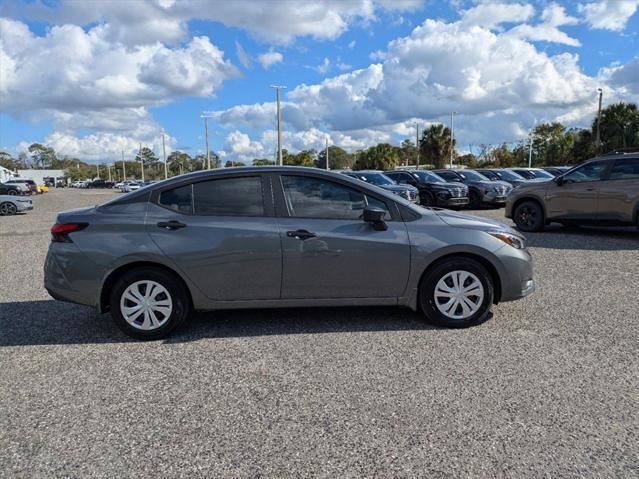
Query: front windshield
[
  {"x": 428, "y": 176},
  {"x": 509, "y": 175},
  {"x": 542, "y": 174},
  {"x": 474, "y": 176},
  {"x": 378, "y": 179}
]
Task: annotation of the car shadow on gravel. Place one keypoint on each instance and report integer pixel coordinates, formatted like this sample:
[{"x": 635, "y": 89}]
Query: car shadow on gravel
[
  {"x": 585, "y": 238},
  {"x": 49, "y": 322}
]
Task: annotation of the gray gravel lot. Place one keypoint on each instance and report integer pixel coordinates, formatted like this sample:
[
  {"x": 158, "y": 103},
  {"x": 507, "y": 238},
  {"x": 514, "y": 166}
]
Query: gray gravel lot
[{"x": 546, "y": 388}]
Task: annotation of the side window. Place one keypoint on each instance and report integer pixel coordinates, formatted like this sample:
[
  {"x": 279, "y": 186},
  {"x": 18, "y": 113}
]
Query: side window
[
  {"x": 229, "y": 197},
  {"x": 589, "y": 172},
  {"x": 178, "y": 199},
  {"x": 625, "y": 170},
  {"x": 308, "y": 197}
]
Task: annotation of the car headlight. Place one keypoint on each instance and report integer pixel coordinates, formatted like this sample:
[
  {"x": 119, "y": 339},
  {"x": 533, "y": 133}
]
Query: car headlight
[{"x": 510, "y": 239}]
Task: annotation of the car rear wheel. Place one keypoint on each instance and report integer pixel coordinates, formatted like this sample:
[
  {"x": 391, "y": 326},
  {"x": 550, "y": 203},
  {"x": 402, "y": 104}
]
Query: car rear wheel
[
  {"x": 12, "y": 192},
  {"x": 148, "y": 303},
  {"x": 456, "y": 293},
  {"x": 8, "y": 209},
  {"x": 528, "y": 216}
]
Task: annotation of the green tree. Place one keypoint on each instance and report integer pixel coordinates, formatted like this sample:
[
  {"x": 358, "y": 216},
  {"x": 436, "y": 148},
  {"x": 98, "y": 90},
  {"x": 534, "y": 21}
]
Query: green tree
[
  {"x": 408, "y": 153},
  {"x": 619, "y": 127},
  {"x": 382, "y": 156},
  {"x": 7, "y": 161},
  {"x": 262, "y": 162},
  {"x": 502, "y": 157},
  {"x": 338, "y": 158},
  {"x": 179, "y": 162},
  {"x": 435, "y": 145},
  {"x": 230, "y": 163},
  {"x": 42, "y": 156},
  {"x": 583, "y": 145},
  {"x": 551, "y": 145},
  {"x": 147, "y": 157},
  {"x": 303, "y": 158}
]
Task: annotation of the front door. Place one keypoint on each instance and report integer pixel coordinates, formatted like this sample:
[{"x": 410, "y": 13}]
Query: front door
[
  {"x": 329, "y": 251},
  {"x": 218, "y": 234},
  {"x": 578, "y": 196},
  {"x": 619, "y": 193}
]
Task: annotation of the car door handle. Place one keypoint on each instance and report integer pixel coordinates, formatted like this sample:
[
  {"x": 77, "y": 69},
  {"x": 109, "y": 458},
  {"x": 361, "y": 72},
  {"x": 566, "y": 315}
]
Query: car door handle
[
  {"x": 300, "y": 234},
  {"x": 171, "y": 225}
]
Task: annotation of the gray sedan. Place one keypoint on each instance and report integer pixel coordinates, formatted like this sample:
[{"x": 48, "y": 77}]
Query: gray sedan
[
  {"x": 275, "y": 237},
  {"x": 12, "y": 204}
]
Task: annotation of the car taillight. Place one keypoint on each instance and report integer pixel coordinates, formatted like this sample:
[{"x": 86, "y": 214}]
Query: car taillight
[{"x": 60, "y": 232}]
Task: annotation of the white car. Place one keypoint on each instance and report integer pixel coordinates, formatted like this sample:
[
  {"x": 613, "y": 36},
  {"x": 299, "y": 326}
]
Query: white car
[
  {"x": 11, "y": 204},
  {"x": 128, "y": 186}
]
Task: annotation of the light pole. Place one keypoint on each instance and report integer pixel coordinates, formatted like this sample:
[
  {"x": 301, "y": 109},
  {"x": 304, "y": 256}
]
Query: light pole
[
  {"x": 416, "y": 144},
  {"x": 141, "y": 161},
  {"x": 279, "y": 123},
  {"x": 530, "y": 150},
  {"x": 166, "y": 172},
  {"x": 598, "y": 137},
  {"x": 123, "y": 167},
  {"x": 327, "y": 167},
  {"x": 206, "y": 139},
  {"x": 452, "y": 136}
]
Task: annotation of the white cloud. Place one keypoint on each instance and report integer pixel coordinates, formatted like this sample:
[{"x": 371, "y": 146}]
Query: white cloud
[
  {"x": 609, "y": 14},
  {"x": 490, "y": 15},
  {"x": 243, "y": 57},
  {"x": 352, "y": 44},
  {"x": 270, "y": 58},
  {"x": 98, "y": 74},
  {"x": 553, "y": 17},
  {"x": 323, "y": 68},
  {"x": 275, "y": 21},
  {"x": 490, "y": 78}
]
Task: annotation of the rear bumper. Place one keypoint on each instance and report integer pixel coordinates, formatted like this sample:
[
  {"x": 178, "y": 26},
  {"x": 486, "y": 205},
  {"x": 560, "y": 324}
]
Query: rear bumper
[{"x": 66, "y": 278}]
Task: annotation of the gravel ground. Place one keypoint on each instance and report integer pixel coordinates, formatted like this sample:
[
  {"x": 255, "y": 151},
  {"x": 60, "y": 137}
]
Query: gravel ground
[{"x": 547, "y": 388}]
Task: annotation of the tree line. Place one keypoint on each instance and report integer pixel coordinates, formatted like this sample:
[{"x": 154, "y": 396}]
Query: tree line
[{"x": 552, "y": 144}]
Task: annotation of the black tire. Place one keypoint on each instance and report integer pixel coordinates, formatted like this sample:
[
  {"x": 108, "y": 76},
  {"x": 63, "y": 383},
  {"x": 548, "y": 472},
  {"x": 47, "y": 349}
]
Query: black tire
[
  {"x": 474, "y": 200},
  {"x": 529, "y": 217},
  {"x": 426, "y": 199},
  {"x": 428, "y": 302},
  {"x": 12, "y": 192},
  {"x": 178, "y": 295},
  {"x": 8, "y": 209}
]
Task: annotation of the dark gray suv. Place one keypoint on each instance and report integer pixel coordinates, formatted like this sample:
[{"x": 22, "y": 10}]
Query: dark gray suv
[
  {"x": 482, "y": 191},
  {"x": 274, "y": 237}
]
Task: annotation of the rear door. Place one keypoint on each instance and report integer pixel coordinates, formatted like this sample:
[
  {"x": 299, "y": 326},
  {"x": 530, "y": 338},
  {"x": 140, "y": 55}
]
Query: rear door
[
  {"x": 619, "y": 193},
  {"x": 222, "y": 234},
  {"x": 577, "y": 198},
  {"x": 328, "y": 250}
]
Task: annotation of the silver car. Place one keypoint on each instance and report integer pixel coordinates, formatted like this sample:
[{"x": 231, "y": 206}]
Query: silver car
[
  {"x": 12, "y": 204},
  {"x": 275, "y": 237}
]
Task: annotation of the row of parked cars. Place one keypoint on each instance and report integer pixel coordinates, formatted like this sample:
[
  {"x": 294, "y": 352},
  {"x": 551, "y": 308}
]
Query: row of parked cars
[
  {"x": 455, "y": 189},
  {"x": 13, "y": 197}
]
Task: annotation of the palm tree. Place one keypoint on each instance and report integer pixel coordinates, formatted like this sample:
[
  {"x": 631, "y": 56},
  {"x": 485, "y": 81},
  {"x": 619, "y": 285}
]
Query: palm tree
[{"x": 435, "y": 146}]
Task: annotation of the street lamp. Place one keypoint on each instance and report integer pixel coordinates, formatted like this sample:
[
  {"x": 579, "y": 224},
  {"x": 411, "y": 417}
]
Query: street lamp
[
  {"x": 279, "y": 122},
  {"x": 452, "y": 136},
  {"x": 416, "y": 144},
  {"x": 598, "y": 137}
]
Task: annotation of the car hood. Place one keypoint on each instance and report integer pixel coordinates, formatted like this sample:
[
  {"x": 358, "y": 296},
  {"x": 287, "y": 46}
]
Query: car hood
[
  {"x": 397, "y": 187},
  {"x": 461, "y": 220},
  {"x": 448, "y": 185}
]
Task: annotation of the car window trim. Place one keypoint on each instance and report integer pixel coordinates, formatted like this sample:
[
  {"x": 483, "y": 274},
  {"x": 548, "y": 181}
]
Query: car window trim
[
  {"x": 605, "y": 174},
  {"x": 265, "y": 184},
  {"x": 614, "y": 163},
  {"x": 282, "y": 207}
]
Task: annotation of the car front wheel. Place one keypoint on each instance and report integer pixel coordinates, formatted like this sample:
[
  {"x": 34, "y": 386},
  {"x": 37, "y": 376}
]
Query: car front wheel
[
  {"x": 456, "y": 293},
  {"x": 148, "y": 303},
  {"x": 529, "y": 217},
  {"x": 8, "y": 209}
]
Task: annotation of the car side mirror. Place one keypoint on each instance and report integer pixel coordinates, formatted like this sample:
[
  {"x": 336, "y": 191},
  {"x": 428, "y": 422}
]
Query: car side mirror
[
  {"x": 559, "y": 180},
  {"x": 375, "y": 216}
]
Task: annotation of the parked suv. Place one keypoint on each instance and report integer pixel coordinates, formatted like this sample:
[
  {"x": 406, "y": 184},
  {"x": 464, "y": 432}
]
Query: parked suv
[
  {"x": 9, "y": 189},
  {"x": 482, "y": 191},
  {"x": 275, "y": 237},
  {"x": 433, "y": 189},
  {"x": 380, "y": 179},
  {"x": 602, "y": 191},
  {"x": 502, "y": 174},
  {"x": 28, "y": 187}
]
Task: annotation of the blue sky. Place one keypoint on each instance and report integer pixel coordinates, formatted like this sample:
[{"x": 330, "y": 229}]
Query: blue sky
[{"x": 94, "y": 78}]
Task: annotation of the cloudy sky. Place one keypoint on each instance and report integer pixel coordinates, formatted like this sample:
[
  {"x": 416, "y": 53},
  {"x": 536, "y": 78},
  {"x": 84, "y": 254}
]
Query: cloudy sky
[{"x": 93, "y": 78}]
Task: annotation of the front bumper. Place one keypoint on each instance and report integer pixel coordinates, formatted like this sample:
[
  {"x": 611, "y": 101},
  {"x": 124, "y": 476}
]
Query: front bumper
[
  {"x": 516, "y": 273},
  {"x": 24, "y": 206},
  {"x": 453, "y": 201},
  {"x": 494, "y": 198}
]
